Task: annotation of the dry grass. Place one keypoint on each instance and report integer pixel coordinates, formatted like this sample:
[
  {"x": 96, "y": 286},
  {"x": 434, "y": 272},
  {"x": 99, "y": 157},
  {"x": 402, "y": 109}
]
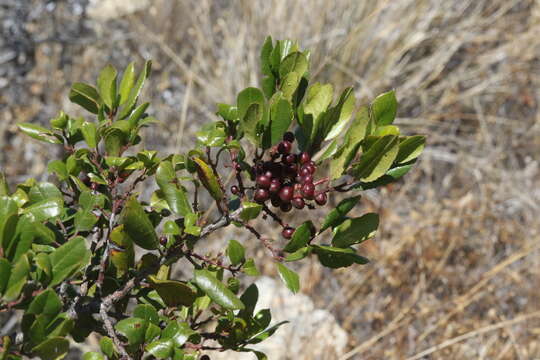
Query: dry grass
[{"x": 455, "y": 267}]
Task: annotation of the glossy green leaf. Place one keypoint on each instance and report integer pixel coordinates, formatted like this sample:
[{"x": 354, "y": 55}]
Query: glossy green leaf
[
  {"x": 250, "y": 269},
  {"x": 135, "y": 91},
  {"x": 246, "y": 98},
  {"x": 208, "y": 178},
  {"x": 17, "y": 278},
  {"x": 8, "y": 220},
  {"x": 289, "y": 85},
  {"x": 361, "y": 126},
  {"x": 211, "y": 135},
  {"x": 161, "y": 349},
  {"x": 85, "y": 220},
  {"x": 294, "y": 62},
  {"x": 47, "y": 303},
  {"x": 52, "y": 349},
  {"x": 337, "y": 215},
  {"x": 384, "y": 108},
  {"x": 281, "y": 116},
  {"x": 133, "y": 329},
  {"x": 43, "y": 191},
  {"x": 377, "y": 160},
  {"x": 39, "y": 133},
  {"x": 386, "y": 130},
  {"x": 85, "y": 96},
  {"x": 128, "y": 79},
  {"x": 216, "y": 290},
  {"x": 146, "y": 312},
  {"x": 68, "y": 259},
  {"x": 59, "y": 168},
  {"x": 300, "y": 237},
  {"x": 5, "y": 273},
  {"x": 354, "y": 231},
  {"x": 298, "y": 254},
  {"x": 106, "y": 85},
  {"x": 410, "y": 148},
  {"x": 318, "y": 99},
  {"x": 266, "y": 50},
  {"x": 44, "y": 264},
  {"x": 173, "y": 293},
  {"x": 173, "y": 193},
  {"x": 289, "y": 277},
  {"x": 106, "y": 346},
  {"x": 89, "y": 132},
  {"x": 236, "y": 252},
  {"x": 92, "y": 355},
  {"x": 342, "y": 159},
  {"x": 335, "y": 258},
  {"x": 45, "y": 209},
  {"x": 138, "y": 226},
  {"x": 60, "y": 121},
  {"x": 266, "y": 334},
  {"x": 179, "y": 333},
  {"x": 123, "y": 259},
  {"x": 341, "y": 115},
  {"x": 250, "y": 210}
]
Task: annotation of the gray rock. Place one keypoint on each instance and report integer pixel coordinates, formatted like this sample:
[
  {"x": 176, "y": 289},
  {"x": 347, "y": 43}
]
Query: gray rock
[{"x": 311, "y": 334}]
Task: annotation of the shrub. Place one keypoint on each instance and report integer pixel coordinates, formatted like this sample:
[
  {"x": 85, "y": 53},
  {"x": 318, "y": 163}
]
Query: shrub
[{"x": 68, "y": 249}]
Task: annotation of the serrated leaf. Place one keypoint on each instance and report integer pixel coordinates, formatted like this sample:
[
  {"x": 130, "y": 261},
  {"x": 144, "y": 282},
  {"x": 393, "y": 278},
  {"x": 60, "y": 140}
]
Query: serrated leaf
[
  {"x": 172, "y": 292},
  {"x": 216, "y": 290},
  {"x": 138, "y": 226},
  {"x": 354, "y": 231},
  {"x": 68, "y": 259},
  {"x": 337, "y": 215},
  {"x": 86, "y": 96},
  {"x": 235, "y": 252},
  {"x": 377, "y": 160},
  {"x": 289, "y": 277},
  {"x": 301, "y": 237},
  {"x": 52, "y": 349},
  {"x": 106, "y": 84},
  {"x": 384, "y": 108}
]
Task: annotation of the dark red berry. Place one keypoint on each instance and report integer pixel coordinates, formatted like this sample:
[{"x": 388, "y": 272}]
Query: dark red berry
[
  {"x": 308, "y": 190},
  {"x": 292, "y": 169},
  {"x": 238, "y": 167},
  {"x": 286, "y": 207},
  {"x": 275, "y": 185},
  {"x": 297, "y": 187},
  {"x": 298, "y": 202},
  {"x": 163, "y": 240},
  {"x": 304, "y": 158},
  {"x": 261, "y": 195},
  {"x": 286, "y": 193},
  {"x": 284, "y": 147},
  {"x": 304, "y": 171},
  {"x": 289, "y": 159},
  {"x": 235, "y": 190},
  {"x": 321, "y": 198},
  {"x": 287, "y": 232},
  {"x": 263, "y": 181},
  {"x": 310, "y": 168},
  {"x": 269, "y": 174},
  {"x": 288, "y": 136},
  {"x": 306, "y": 179},
  {"x": 276, "y": 201},
  {"x": 312, "y": 163}
]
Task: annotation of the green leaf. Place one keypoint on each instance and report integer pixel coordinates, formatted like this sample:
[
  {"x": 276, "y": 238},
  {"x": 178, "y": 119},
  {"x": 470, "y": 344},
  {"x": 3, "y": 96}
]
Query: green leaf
[
  {"x": 246, "y": 98},
  {"x": 46, "y": 303},
  {"x": 265, "y": 335},
  {"x": 298, "y": 254},
  {"x": 294, "y": 62},
  {"x": 354, "y": 231},
  {"x": 174, "y": 194},
  {"x": 211, "y": 135},
  {"x": 138, "y": 226},
  {"x": 8, "y": 220},
  {"x": 227, "y": 112},
  {"x": 68, "y": 259},
  {"x": 44, "y": 264},
  {"x": 52, "y": 349},
  {"x": 43, "y": 191},
  {"x": 85, "y": 96},
  {"x": 236, "y": 252},
  {"x": 216, "y": 290},
  {"x": 106, "y": 85},
  {"x": 289, "y": 85},
  {"x": 318, "y": 99},
  {"x": 172, "y": 292},
  {"x": 337, "y": 215},
  {"x": 39, "y": 133},
  {"x": 250, "y": 269},
  {"x": 45, "y": 209},
  {"x": 92, "y": 355},
  {"x": 106, "y": 346},
  {"x": 59, "y": 168},
  {"x": 128, "y": 79},
  {"x": 384, "y": 108},
  {"x": 281, "y": 116},
  {"x": 208, "y": 178},
  {"x": 17, "y": 278},
  {"x": 250, "y": 210},
  {"x": 377, "y": 160},
  {"x": 161, "y": 349},
  {"x": 5, "y": 273},
  {"x": 342, "y": 113},
  {"x": 266, "y": 50},
  {"x": 289, "y": 277},
  {"x": 300, "y": 237},
  {"x": 386, "y": 130},
  {"x": 123, "y": 260},
  {"x": 4, "y": 187},
  {"x": 89, "y": 132},
  {"x": 133, "y": 329},
  {"x": 114, "y": 141},
  {"x": 85, "y": 220},
  {"x": 335, "y": 258},
  {"x": 135, "y": 91},
  {"x": 410, "y": 148},
  {"x": 361, "y": 126},
  {"x": 179, "y": 333},
  {"x": 146, "y": 312},
  {"x": 342, "y": 159}
]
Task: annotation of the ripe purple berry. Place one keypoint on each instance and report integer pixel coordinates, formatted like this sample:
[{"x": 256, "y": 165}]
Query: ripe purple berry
[
  {"x": 287, "y": 233},
  {"x": 298, "y": 202},
  {"x": 286, "y": 193},
  {"x": 308, "y": 191},
  {"x": 306, "y": 179},
  {"x": 288, "y": 136},
  {"x": 275, "y": 185},
  {"x": 235, "y": 190},
  {"x": 263, "y": 181},
  {"x": 321, "y": 198},
  {"x": 284, "y": 147},
  {"x": 261, "y": 195},
  {"x": 289, "y": 159},
  {"x": 305, "y": 158},
  {"x": 304, "y": 171}
]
